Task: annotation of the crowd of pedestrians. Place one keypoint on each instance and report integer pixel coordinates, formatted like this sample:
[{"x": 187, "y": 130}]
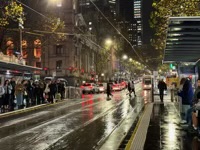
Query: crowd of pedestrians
[{"x": 22, "y": 94}]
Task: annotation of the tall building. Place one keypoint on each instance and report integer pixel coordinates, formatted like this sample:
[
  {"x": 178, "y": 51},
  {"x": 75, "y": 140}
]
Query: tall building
[{"x": 137, "y": 14}]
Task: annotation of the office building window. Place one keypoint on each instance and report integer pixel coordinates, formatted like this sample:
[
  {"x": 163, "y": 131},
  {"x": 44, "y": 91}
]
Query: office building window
[{"x": 59, "y": 64}]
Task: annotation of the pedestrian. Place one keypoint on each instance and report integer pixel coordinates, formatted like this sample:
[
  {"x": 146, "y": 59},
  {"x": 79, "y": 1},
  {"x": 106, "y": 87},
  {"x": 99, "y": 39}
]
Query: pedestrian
[
  {"x": 2, "y": 92},
  {"x": 109, "y": 90},
  {"x": 30, "y": 91},
  {"x": 129, "y": 88},
  {"x": 19, "y": 90},
  {"x": 52, "y": 92},
  {"x": 12, "y": 98},
  {"x": 38, "y": 93},
  {"x": 26, "y": 102},
  {"x": 162, "y": 87},
  {"x": 133, "y": 87},
  {"x": 8, "y": 90},
  {"x": 186, "y": 95},
  {"x": 195, "y": 108}
]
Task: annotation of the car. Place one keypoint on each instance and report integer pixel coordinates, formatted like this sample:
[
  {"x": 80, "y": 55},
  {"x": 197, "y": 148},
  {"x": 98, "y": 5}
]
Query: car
[
  {"x": 123, "y": 85},
  {"x": 116, "y": 87},
  {"x": 101, "y": 88},
  {"x": 89, "y": 88}
]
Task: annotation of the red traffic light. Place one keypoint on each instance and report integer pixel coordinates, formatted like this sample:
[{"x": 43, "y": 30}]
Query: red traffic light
[{"x": 45, "y": 68}]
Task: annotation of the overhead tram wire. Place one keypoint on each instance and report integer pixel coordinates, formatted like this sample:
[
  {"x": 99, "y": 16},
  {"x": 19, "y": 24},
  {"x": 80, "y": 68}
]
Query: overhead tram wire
[
  {"x": 82, "y": 34},
  {"x": 117, "y": 31},
  {"x": 85, "y": 36}
]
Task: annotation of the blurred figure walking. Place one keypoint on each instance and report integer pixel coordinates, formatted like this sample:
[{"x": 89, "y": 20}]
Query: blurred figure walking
[{"x": 162, "y": 87}]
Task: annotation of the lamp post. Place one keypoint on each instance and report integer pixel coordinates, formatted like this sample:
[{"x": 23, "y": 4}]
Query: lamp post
[
  {"x": 21, "y": 23},
  {"x": 109, "y": 44}
]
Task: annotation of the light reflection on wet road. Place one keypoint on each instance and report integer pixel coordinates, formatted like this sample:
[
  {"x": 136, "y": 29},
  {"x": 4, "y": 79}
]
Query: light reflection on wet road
[
  {"x": 165, "y": 131},
  {"x": 80, "y": 126}
]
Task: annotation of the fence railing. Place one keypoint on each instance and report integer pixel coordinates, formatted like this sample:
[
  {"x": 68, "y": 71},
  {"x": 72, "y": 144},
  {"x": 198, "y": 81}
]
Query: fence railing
[{"x": 73, "y": 92}]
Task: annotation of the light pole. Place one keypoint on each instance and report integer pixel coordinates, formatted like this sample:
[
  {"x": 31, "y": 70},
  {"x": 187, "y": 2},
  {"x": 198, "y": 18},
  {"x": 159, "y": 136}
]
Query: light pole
[
  {"x": 21, "y": 23},
  {"x": 109, "y": 43}
]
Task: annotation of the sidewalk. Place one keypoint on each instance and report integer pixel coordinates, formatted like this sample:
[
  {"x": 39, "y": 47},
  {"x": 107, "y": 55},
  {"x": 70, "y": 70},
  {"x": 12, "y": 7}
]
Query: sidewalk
[{"x": 164, "y": 131}]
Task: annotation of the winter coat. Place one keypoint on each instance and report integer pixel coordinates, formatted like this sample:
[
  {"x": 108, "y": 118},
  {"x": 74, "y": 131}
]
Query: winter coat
[
  {"x": 162, "y": 86},
  {"x": 195, "y": 97},
  {"x": 186, "y": 93}
]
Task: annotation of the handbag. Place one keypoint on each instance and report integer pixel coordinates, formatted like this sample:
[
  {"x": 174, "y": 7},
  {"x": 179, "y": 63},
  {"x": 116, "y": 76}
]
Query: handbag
[{"x": 47, "y": 90}]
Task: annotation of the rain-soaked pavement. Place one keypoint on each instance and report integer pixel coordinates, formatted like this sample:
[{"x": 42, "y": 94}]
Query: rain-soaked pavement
[
  {"x": 165, "y": 131},
  {"x": 72, "y": 124}
]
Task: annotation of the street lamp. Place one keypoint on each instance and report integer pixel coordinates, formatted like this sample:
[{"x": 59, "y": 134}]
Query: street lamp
[
  {"x": 108, "y": 42},
  {"x": 124, "y": 57}
]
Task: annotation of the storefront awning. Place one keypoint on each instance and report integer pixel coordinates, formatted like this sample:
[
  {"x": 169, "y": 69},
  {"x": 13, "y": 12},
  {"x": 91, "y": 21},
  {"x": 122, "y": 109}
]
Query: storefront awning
[
  {"x": 183, "y": 40},
  {"x": 18, "y": 67}
]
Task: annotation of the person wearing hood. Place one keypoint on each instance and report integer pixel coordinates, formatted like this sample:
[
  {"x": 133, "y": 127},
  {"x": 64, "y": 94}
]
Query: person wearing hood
[
  {"x": 195, "y": 113},
  {"x": 186, "y": 95}
]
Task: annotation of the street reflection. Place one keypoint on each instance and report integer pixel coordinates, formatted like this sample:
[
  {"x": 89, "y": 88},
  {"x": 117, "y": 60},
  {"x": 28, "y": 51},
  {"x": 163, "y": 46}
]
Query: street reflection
[
  {"x": 146, "y": 95},
  {"x": 87, "y": 109},
  {"x": 171, "y": 134}
]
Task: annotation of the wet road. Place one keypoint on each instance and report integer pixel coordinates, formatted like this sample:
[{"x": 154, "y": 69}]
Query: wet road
[{"x": 73, "y": 124}]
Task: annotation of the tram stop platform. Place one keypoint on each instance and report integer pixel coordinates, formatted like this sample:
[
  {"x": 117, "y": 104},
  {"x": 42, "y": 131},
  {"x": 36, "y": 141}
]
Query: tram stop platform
[{"x": 159, "y": 128}]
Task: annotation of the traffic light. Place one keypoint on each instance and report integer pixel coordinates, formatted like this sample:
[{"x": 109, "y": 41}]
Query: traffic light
[
  {"x": 171, "y": 66},
  {"x": 45, "y": 69}
]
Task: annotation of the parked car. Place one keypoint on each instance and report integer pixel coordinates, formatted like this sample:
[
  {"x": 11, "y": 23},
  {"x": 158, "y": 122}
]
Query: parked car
[
  {"x": 116, "y": 87},
  {"x": 123, "y": 85},
  {"x": 89, "y": 88},
  {"x": 101, "y": 88}
]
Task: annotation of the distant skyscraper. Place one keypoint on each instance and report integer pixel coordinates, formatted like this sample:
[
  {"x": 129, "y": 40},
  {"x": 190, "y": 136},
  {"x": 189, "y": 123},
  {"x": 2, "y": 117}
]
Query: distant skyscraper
[{"x": 137, "y": 5}]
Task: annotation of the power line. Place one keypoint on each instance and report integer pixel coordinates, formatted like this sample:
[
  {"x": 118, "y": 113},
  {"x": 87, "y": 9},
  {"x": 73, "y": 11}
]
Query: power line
[
  {"x": 47, "y": 32},
  {"x": 33, "y": 10},
  {"x": 117, "y": 30}
]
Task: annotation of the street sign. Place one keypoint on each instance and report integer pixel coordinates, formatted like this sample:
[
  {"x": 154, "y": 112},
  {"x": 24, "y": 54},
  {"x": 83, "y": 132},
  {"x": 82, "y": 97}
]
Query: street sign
[
  {"x": 54, "y": 73},
  {"x": 155, "y": 73}
]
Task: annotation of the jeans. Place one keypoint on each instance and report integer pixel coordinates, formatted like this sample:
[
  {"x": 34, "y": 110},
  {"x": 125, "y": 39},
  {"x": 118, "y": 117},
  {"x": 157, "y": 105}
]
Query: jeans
[{"x": 187, "y": 113}]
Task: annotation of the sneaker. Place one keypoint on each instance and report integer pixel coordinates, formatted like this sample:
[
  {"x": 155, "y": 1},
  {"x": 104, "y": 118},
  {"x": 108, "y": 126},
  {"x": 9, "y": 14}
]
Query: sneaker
[
  {"x": 192, "y": 130},
  {"x": 183, "y": 122}
]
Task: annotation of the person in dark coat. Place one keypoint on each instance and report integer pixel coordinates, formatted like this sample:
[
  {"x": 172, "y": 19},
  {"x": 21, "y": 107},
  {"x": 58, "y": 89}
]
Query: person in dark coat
[
  {"x": 186, "y": 95},
  {"x": 53, "y": 89},
  {"x": 162, "y": 87},
  {"x": 108, "y": 90},
  {"x": 12, "y": 98}
]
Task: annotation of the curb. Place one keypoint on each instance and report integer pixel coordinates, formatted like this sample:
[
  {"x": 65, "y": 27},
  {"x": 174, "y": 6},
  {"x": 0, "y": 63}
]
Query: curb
[{"x": 20, "y": 111}]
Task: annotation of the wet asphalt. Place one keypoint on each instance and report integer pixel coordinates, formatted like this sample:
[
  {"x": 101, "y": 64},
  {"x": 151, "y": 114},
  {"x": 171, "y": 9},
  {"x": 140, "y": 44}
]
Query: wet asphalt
[
  {"x": 84, "y": 123},
  {"x": 165, "y": 131},
  {"x": 72, "y": 124}
]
